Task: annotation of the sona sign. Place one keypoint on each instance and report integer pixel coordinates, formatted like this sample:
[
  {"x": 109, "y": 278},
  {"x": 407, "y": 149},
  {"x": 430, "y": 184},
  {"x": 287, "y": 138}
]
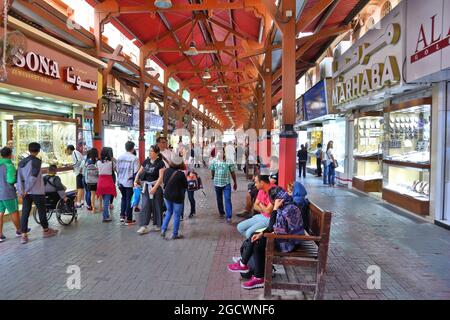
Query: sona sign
[
  {"x": 428, "y": 38},
  {"x": 374, "y": 62}
]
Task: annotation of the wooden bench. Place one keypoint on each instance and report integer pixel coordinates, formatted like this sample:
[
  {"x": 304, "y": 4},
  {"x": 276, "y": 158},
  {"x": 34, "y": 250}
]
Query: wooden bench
[{"x": 312, "y": 252}]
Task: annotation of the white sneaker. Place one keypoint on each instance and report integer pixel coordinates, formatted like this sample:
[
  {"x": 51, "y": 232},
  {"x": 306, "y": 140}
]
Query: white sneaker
[
  {"x": 236, "y": 259},
  {"x": 143, "y": 230}
]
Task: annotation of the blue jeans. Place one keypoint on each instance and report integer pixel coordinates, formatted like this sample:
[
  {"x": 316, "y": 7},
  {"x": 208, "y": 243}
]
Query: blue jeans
[
  {"x": 125, "y": 205},
  {"x": 224, "y": 192},
  {"x": 106, "y": 201},
  {"x": 249, "y": 226},
  {"x": 325, "y": 173},
  {"x": 176, "y": 209},
  {"x": 87, "y": 194},
  {"x": 192, "y": 201},
  {"x": 331, "y": 174}
]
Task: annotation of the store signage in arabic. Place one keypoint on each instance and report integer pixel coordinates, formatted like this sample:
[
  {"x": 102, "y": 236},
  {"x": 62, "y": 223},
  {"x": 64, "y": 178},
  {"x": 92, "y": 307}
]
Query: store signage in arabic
[
  {"x": 121, "y": 114},
  {"x": 76, "y": 80},
  {"x": 46, "y": 66},
  {"x": 371, "y": 78}
]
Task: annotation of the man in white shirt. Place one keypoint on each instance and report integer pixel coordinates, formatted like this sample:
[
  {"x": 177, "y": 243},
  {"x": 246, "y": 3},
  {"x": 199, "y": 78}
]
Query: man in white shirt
[
  {"x": 127, "y": 168},
  {"x": 77, "y": 159},
  {"x": 166, "y": 153}
]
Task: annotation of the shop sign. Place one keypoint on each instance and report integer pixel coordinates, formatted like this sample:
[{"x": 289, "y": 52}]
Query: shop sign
[
  {"x": 157, "y": 121},
  {"x": 47, "y": 70},
  {"x": 373, "y": 63},
  {"x": 120, "y": 114},
  {"x": 428, "y": 38},
  {"x": 316, "y": 101}
]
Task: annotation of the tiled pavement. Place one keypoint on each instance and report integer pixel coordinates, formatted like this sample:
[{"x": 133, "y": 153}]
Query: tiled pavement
[{"x": 116, "y": 263}]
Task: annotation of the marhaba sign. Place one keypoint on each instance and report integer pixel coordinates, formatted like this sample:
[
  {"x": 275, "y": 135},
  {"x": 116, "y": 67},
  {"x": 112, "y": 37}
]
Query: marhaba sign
[
  {"x": 372, "y": 63},
  {"x": 44, "y": 69}
]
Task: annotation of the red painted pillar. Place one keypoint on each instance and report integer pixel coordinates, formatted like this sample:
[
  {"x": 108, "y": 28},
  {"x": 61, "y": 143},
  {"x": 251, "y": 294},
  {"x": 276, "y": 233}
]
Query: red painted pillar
[
  {"x": 142, "y": 131},
  {"x": 287, "y": 161},
  {"x": 288, "y": 137},
  {"x": 98, "y": 126}
]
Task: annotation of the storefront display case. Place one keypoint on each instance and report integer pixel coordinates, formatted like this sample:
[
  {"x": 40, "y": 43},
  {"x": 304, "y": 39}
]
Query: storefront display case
[
  {"x": 406, "y": 163},
  {"x": 367, "y": 152},
  {"x": 314, "y": 137},
  {"x": 54, "y": 134},
  {"x": 335, "y": 130}
]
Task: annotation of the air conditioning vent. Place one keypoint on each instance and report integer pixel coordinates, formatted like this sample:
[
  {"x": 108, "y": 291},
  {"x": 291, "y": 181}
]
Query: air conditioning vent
[{"x": 326, "y": 68}]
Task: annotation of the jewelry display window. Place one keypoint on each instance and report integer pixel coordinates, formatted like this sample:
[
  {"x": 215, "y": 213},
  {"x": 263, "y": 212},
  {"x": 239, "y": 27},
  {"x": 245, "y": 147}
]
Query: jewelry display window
[
  {"x": 52, "y": 133},
  {"x": 408, "y": 134},
  {"x": 314, "y": 137}
]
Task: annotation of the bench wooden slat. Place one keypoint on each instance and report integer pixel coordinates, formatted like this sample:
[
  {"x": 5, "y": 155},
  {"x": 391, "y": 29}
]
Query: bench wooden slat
[{"x": 304, "y": 262}]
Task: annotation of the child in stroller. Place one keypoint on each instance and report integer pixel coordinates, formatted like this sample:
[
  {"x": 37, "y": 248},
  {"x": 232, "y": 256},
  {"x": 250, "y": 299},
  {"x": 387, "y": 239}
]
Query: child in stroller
[{"x": 57, "y": 200}]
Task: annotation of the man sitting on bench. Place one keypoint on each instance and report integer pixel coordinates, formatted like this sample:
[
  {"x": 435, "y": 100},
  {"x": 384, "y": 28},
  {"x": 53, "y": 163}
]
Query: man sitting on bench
[{"x": 54, "y": 188}]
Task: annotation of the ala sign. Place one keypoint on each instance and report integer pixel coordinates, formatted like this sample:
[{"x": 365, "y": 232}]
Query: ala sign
[
  {"x": 428, "y": 39},
  {"x": 373, "y": 63}
]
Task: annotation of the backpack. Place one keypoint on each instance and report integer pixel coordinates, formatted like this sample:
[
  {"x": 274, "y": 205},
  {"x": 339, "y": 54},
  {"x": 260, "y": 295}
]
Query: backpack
[
  {"x": 47, "y": 180},
  {"x": 91, "y": 174}
]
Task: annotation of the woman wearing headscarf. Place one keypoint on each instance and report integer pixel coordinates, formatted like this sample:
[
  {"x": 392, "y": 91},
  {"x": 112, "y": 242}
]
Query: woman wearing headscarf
[{"x": 286, "y": 218}]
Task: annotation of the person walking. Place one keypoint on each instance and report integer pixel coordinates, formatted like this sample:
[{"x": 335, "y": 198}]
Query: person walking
[
  {"x": 194, "y": 184},
  {"x": 302, "y": 156},
  {"x": 332, "y": 164},
  {"x": 31, "y": 188},
  {"x": 175, "y": 185},
  {"x": 127, "y": 168},
  {"x": 106, "y": 187},
  {"x": 150, "y": 177},
  {"x": 8, "y": 196},
  {"x": 165, "y": 152},
  {"x": 77, "y": 159},
  {"x": 221, "y": 172},
  {"x": 319, "y": 157},
  {"x": 91, "y": 176}
]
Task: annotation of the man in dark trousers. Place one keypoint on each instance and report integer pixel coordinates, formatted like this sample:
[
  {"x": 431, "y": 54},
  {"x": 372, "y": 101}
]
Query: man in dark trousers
[{"x": 302, "y": 156}]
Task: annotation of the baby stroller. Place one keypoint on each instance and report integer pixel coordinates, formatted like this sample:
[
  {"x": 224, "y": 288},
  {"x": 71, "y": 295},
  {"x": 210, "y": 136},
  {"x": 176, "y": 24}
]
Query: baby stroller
[{"x": 65, "y": 212}]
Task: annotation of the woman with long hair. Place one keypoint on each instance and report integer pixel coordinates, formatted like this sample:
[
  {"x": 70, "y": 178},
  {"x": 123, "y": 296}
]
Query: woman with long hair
[
  {"x": 150, "y": 177},
  {"x": 106, "y": 187},
  {"x": 332, "y": 164},
  {"x": 90, "y": 174},
  {"x": 175, "y": 185}
]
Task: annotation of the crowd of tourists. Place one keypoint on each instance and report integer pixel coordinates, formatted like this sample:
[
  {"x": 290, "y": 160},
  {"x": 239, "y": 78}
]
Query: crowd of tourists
[{"x": 154, "y": 192}]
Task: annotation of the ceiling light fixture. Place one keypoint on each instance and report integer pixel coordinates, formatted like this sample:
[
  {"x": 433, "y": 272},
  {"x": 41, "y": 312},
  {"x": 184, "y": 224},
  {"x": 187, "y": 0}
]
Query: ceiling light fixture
[
  {"x": 207, "y": 75},
  {"x": 192, "y": 51},
  {"x": 219, "y": 99},
  {"x": 214, "y": 88},
  {"x": 163, "y": 4}
]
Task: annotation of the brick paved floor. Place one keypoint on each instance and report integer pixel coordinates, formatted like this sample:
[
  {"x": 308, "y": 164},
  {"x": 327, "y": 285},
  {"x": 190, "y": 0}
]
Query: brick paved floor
[{"x": 116, "y": 263}]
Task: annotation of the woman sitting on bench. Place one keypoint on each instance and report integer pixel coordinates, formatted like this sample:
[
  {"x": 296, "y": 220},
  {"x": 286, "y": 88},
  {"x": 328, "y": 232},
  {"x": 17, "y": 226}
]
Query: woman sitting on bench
[{"x": 286, "y": 218}]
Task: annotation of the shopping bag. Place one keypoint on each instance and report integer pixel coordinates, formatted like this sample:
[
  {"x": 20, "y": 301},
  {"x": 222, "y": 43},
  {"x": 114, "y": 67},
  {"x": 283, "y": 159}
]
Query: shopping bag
[{"x": 136, "y": 197}]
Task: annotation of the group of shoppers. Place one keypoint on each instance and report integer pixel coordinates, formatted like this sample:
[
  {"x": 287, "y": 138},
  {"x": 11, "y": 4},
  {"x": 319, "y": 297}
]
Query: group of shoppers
[
  {"x": 161, "y": 180},
  {"x": 28, "y": 183},
  {"x": 324, "y": 158}
]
